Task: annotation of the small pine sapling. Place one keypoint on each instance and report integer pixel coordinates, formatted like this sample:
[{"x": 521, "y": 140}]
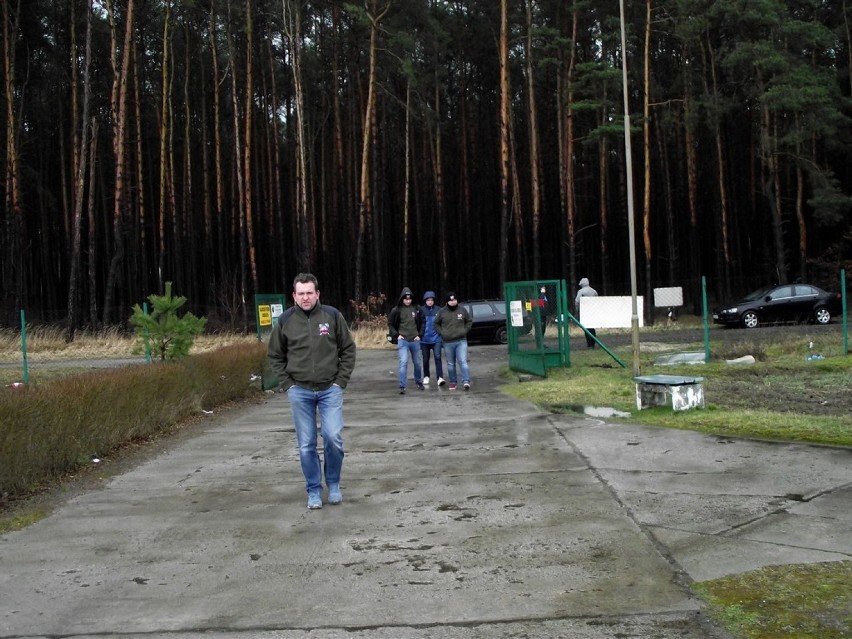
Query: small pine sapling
[{"x": 169, "y": 336}]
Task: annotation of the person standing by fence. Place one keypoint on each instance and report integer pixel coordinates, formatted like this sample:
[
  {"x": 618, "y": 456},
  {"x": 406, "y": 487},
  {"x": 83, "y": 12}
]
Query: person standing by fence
[{"x": 585, "y": 291}]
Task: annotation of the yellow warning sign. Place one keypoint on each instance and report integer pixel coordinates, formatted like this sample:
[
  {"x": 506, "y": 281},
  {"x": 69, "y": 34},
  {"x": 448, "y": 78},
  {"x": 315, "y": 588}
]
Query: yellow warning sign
[{"x": 264, "y": 315}]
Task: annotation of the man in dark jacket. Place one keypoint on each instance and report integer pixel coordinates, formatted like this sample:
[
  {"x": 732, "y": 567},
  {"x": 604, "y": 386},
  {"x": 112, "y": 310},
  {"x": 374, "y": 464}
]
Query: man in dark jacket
[
  {"x": 405, "y": 322},
  {"x": 313, "y": 354},
  {"x": 453, "y": 324}
]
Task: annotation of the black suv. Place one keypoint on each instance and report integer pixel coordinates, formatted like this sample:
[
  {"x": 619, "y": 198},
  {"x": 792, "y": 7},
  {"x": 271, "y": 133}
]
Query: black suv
[{"x": 489, "y": 321}]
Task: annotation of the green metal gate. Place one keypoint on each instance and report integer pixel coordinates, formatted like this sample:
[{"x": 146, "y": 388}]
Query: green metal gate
[{"x": 537, "y": 319}]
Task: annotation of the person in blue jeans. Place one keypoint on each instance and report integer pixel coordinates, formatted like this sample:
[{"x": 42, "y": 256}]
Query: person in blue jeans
[
  {"x": 430, "y": 341},
  {"x": 405, "y": 322},
  {"x": 453, "y": 324},
  {"x": 312, "y": 352}
]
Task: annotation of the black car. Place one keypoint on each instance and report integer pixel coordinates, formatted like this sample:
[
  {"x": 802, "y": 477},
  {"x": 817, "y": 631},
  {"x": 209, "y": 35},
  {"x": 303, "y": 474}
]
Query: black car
[
  {"x": 784, "y": 303},
  {"x": 489, "y": 321}
]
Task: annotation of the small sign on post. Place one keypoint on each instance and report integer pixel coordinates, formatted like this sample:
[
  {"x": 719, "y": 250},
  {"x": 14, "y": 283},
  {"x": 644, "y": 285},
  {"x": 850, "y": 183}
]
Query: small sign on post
[{"x": 267, "y": 309}]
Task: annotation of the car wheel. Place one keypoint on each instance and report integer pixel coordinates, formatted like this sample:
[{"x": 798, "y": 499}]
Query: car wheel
[
  {"x": 822, "y": 315},
  {"x": 750, "y": 319},
  {"x": 502, "y": 335}
]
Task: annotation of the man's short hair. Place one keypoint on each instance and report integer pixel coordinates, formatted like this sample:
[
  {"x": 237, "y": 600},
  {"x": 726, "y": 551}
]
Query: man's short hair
[{"x": 305, "y": 278}]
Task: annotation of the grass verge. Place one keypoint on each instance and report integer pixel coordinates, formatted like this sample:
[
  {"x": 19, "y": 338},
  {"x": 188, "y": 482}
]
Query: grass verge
[
  {"x": 53, "y": 429},
  {"x": 780, "y": 397},
  {"x": 805, "y": 601},
  {"x": 783, "y": 398}
]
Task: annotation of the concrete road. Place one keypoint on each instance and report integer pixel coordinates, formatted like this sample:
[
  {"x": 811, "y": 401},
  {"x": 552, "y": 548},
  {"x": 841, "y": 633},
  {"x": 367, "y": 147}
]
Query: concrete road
[{"x": 465, "y": 515}]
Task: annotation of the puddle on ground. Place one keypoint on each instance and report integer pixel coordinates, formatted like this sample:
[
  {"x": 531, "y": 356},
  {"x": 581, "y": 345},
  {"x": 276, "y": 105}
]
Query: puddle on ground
[{"x": 596, "y": 411}]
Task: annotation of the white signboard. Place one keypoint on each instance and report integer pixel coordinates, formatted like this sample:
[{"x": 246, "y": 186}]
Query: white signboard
[
  {"x": 516, "y": 310},
  {"x": 612, "y": 311},
  {"x": 671, "y": 296}
]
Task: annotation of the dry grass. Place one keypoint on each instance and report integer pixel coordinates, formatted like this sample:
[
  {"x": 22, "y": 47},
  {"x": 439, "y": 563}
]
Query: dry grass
[
  {"x": 49, "y": 429},
  {"x": 47, "y": 342},
  {"x": 69, "y": 413}
]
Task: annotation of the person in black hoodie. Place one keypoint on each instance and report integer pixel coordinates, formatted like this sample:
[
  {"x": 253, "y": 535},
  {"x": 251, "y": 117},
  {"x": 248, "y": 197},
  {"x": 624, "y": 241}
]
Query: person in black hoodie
[{"x": 405, "y": 322}]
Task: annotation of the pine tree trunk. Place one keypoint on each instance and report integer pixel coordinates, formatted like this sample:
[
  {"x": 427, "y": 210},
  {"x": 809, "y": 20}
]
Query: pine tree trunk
[
  {"x": 248, "y": 150},
  {"x": 141, "y": 189},
  {"x": 92, "y": 225},
  {"x": 365, "y": 193},
  {"x": 81, "y": 153},
  {"x": 165, "y": 213},
  {"x": 119, "y": 123},
  {"x": 692, "y": 199},
  {"x": 406, "y": 201},
  {"x": 13, "y": 274},
  {"x": 240, "y": 176},
  {"x": 292, "y": 25},
  {"x": 535, "y": 158},
  {"x": 721, "y": 177},
  {"x": 568, "y": 162},
  {"x": 219, "y": 178},
  {"x": 646, "y": 146},
  {"x": 504, "y": 138}
]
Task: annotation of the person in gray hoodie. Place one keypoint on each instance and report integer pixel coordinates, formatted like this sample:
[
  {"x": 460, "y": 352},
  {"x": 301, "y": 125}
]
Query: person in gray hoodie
[
  {"x": 405, "y": 323},
  {"x": 585, "y": 291}
]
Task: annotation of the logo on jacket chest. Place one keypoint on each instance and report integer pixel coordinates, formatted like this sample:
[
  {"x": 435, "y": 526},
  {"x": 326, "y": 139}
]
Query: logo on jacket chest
[{"x": 323, "y": 328}]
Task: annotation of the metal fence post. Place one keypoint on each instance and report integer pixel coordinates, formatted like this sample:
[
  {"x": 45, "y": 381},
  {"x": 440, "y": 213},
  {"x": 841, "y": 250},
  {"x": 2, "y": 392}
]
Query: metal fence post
[
  {"x": 704, "y": 314},
  {"x": 147, "y": 341},
  {"x": 845, "y": 309},
  {"x": 24, "y": 346}
]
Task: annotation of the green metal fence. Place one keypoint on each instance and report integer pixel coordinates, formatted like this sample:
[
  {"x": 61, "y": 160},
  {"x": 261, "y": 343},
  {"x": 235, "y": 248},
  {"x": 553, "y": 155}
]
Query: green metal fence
[{"x": 537, "y": 319}]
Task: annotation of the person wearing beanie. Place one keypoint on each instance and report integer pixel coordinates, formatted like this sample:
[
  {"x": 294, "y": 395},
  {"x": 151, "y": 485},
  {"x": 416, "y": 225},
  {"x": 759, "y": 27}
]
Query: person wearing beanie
[
  {"x": 453, "y": 324},
  {"x": 585, "y": 291},
  {"x": 430, "y": 341},
  {"x": 405, "y": 323}
]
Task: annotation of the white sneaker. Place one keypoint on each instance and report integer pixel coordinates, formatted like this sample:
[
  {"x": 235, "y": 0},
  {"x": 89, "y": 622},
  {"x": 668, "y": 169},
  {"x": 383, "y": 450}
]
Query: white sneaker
[
  {"x": 441, "y": 381},
  {"x": 426, "y": 380}
]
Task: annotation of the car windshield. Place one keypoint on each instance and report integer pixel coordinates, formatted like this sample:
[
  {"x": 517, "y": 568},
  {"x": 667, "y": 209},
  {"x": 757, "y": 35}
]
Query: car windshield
[{"x": 756, "y": 295}]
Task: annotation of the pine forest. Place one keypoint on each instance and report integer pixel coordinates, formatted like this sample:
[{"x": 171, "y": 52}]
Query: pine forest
[{"x": 227, "y": 145}]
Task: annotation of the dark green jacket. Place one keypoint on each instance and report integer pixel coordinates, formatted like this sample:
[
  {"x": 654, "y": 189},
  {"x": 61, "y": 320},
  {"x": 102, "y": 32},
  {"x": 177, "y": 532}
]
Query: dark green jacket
[
  {"x": 453, "y": 324},
  {"x": 313, "y": 350}
]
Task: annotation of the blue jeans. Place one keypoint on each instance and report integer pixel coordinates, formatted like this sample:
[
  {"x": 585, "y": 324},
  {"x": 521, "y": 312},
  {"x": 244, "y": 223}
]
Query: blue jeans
[
  {"x": 304, "y": 404},
  {"x": 457, "y": 351},
  {"x": 426, "y": 349},
  {"x": 409, "y": 348}
]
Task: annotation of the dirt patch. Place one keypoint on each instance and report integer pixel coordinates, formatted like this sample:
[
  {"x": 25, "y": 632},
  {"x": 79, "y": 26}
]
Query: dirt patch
[{"x": 802, "y": 394}]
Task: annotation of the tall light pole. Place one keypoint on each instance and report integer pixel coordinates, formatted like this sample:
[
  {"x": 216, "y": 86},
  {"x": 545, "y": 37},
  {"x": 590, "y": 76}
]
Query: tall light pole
[{"x": 628, "y": 157}]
